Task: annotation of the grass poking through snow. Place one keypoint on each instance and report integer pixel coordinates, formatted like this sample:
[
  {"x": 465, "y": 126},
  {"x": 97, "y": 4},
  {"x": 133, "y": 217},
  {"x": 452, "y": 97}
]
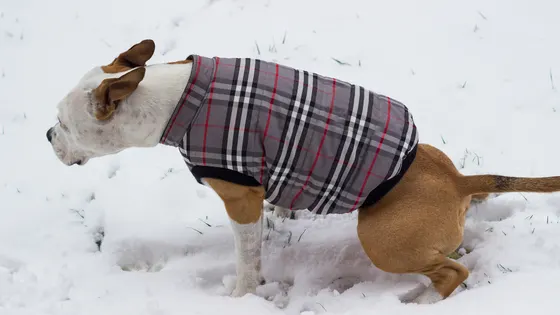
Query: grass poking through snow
[
  {"x": 340, "y": 62},
  {"x": 258, "y": 49}
]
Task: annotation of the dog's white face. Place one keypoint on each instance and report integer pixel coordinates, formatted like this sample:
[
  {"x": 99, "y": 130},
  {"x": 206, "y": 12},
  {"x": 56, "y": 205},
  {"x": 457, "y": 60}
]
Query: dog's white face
[
  {"x": 78, "y": 135},
  {"x": 87, "y": 125}
]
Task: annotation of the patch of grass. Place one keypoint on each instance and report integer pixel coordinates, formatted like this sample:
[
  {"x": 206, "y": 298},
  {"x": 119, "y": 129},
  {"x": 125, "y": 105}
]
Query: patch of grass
[
  {"x": 477, "y": 159},
  {"x": 169, "y": 171},
  {"x": 340, "y": 62},
  {"x": 269, "y": 224},
  {"x": 462, "y": 161},
  {"x": 99, "y": 236},
  {"x": 482, "y": 15},
  {"x": 258, "y": 49},
  {"x": 455, "y": 255},
  {"x": 504, "y": 269},
  {"x": 299, "y": 238},
  {"x": 195, "y": 230},
  {"x": 79, "y": 212},
  {"x": 289, "y": 239},
  {"x": 208, "y": 224},
  {"x": 112, "y": 172},
  {"x": 106, "y": 43},
  {"x": 272, "y": 48}
]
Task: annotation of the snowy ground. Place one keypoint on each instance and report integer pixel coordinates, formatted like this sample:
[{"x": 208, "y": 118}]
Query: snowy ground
[{"x": 481, "y": 77}]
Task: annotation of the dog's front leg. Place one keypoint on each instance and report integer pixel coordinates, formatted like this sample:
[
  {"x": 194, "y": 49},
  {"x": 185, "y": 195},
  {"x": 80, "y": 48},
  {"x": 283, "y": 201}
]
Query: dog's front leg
[
  {"x": 248, "y": 243},
  {"x": 244, "y": 207}
]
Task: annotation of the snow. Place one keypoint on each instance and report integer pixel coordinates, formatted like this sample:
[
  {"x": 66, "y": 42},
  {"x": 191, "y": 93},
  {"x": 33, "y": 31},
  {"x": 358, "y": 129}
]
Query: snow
[{"x": 480, "y": 77}]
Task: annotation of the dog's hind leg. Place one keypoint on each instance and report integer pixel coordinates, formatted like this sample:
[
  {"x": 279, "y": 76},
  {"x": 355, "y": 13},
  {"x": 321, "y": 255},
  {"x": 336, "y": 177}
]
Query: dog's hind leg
[
  {"x": 244, "y": 207},
  {"x": 446, "y": 276},
  {"x": 417, "y": 224},
  {"x": 416, "y": 247}
]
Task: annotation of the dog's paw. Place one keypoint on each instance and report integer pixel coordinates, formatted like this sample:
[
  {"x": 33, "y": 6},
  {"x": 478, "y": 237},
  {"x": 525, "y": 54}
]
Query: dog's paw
[
  {"x": 409, "y": 296},
  {"x": 422, "y": 295},
  {"x": 284, "y": 213},
  {"x": 429, "y": 296},
  {"x": 240, "y": 291},
  {"x": 247, "y": 285},
  {"x": 243, "y": 288},
  {"x": 275, "y": 292}
]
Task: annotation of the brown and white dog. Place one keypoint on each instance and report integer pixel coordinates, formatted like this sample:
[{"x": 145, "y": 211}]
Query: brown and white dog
[{"x": 127, "y": 104}]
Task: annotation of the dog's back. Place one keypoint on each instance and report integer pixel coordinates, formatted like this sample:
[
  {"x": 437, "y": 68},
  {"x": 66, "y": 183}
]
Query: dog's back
[{"x": 313, "y": 141}]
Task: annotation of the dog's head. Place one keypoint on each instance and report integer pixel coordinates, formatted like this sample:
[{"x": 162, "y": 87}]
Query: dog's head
[{"x": 87, "y": 124}]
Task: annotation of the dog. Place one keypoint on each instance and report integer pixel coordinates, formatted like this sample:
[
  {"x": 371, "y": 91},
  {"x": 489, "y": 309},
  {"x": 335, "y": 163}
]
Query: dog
[{"x": 411, "y": 226}]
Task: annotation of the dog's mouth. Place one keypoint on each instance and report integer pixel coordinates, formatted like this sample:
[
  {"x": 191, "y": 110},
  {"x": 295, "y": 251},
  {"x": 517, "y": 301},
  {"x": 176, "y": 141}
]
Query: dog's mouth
[
  {"x": 80, "y": 162},
  {"x": 67, "y": 157},
  {"x": 62, "y": 156}
]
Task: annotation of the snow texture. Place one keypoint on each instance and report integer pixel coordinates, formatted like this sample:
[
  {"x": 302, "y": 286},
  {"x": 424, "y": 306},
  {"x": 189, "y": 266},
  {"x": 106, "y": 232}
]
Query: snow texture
[{"x": 481, "y": 78}]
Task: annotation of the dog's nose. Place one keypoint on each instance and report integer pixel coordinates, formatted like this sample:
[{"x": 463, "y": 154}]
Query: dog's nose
[{"x": 49, "y": 134}]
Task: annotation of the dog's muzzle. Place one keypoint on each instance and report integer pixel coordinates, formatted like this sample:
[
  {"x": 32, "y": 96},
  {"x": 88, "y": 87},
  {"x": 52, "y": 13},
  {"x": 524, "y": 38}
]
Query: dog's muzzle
[{"x": 50, "y": 137}]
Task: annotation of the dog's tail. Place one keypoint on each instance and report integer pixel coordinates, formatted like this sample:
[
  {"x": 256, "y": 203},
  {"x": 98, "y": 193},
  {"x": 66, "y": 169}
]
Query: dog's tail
[{"x": 483, "y": 184}]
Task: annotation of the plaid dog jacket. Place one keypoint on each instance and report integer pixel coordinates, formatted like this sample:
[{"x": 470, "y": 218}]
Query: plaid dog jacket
[{"x": 312, "y": 141}]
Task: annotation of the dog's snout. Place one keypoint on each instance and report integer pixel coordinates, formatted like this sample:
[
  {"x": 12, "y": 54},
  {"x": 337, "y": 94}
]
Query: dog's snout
[{"x": 49, "y": 134}]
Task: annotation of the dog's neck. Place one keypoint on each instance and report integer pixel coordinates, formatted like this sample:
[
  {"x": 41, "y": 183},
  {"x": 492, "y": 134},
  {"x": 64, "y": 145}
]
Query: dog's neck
[{"x": 150, "y": 107}]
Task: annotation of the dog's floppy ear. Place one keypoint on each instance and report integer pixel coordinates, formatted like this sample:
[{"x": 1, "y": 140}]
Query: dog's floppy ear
[
  {"x": 135, "y": 56},
  {"x": 112, "y": 91}
]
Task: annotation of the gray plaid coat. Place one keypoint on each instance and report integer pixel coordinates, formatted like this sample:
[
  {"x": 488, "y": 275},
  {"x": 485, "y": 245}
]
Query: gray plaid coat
[{"x": 313, "y": 142}]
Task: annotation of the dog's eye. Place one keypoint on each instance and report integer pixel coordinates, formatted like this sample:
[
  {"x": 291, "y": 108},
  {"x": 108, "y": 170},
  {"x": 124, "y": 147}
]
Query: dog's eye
[{"x": 63, "y": 126}]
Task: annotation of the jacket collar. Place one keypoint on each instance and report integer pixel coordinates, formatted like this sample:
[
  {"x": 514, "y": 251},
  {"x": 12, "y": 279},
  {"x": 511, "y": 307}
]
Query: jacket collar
[{"x": 189, "y": 103}]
